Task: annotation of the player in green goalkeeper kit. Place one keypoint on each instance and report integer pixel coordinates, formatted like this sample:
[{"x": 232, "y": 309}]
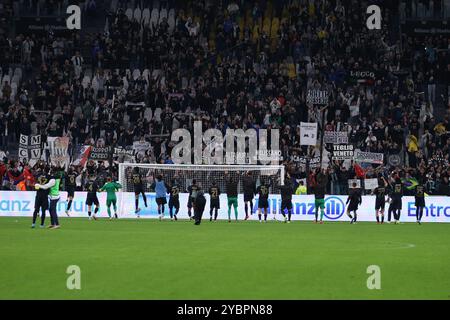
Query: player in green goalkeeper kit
[{"x": 111, "y": 187}]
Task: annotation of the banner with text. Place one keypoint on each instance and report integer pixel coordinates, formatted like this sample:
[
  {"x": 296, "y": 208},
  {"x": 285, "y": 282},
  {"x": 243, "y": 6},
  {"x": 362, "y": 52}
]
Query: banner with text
[
  {"x": 369, "y": 157},
  {"x": 308, "y": 133},
  {"x": 58, "y": 148},
  {"x": 30, "y": 147},
  {"x": 335, "y": 137},
  {"x": 342, "y": 152},
  {"x": 21, "y": 203},
  {"x": 317, "y": 97}
]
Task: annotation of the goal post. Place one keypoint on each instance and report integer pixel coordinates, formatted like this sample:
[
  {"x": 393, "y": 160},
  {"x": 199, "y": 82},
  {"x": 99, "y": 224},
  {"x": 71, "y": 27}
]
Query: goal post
[{"x": 204, "y": 175}]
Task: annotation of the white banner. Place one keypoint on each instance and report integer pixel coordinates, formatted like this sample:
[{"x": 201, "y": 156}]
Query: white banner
[
  {"x": 308, "y": 133},
  {"x": 371, "y": 184},
  {"x": 352, "y": 181},
  {"x": 30, "y": 147},
  {"x": 315, "y": 96},
  {"x": 335, "y": 137},
  {"x": 58, "y": 147},
  {"x": 368, "y": 157},
  {"x": 342, "y": 152},
  {"x": 21, "y": 203}
]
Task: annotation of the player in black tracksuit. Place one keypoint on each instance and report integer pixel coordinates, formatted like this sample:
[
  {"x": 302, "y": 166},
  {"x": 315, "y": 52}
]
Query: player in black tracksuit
[
  {"x": 199, "y": 206},
  {"x": 192, "y": 189},
  {"x": 214, "y": 194},
  {"x": 41, "y": 200},
  {"x": 286, "y": 199},
  {"x": 380, "y": 199},
  {"x": 249, "y": 187},
  {"x": 138, "y": 186},
  {"x": 354, "y": 200},
  {"x": 174, "y": 199},
  {"x": 70, "y": 184},
  {"x": 92, "y": 187},
  {"x": 420, "y": 201},
  {"x": 396, "y": 201},
  {"x": 263, "y": 200}
]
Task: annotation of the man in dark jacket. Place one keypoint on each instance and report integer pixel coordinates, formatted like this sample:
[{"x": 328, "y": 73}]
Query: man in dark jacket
[{"x": 199, "y": 207}]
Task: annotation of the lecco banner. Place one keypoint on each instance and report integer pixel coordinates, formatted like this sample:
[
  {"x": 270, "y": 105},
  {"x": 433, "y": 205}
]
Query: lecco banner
[{"x": 21, "y": 203}]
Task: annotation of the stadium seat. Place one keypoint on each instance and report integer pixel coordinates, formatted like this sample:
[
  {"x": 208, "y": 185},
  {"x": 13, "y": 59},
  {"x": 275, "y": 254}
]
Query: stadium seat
[
  {"x": 154, "y": 17},
  {"x": 129, "y": 13},
  {"x": 146, "y": 16},
  {"x": 95, "y": 85},
  {"x": 113, "y": 6},
  {"x": 137, "y": 14},
  {"x": 136, "y": 74},
  {"x": 15, "y": 79},
  {"x": 162, "y": 14},
  {"x": 146, "y": 74},
  {"x": 13, "y": 91},
  {"x": 126, "y": 85},
  {"x": 18, "y": 71},
  {"x": 6, "y": 78}
]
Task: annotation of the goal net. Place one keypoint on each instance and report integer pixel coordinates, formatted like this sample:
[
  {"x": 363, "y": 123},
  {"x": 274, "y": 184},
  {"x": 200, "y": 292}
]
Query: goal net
[{"x": 204, "y": 175}]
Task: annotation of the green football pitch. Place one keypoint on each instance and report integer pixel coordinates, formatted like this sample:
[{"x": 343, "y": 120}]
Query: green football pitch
[{"x": 148, "y": 259}]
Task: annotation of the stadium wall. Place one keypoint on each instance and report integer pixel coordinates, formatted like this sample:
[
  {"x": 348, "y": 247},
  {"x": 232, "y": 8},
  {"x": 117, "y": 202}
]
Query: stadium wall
[{"x": 22, "y": 204}]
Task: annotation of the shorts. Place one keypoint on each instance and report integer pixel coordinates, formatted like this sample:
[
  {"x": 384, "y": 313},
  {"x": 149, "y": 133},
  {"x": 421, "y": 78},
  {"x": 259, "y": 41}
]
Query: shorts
[
  {"x": 248, "y": 197},
  {"x": 397, "y": 204},
  {"x": 352, "y": 207},
  {"x": 111, "y": 202},
  {"x": 138, "y": 190},
  {"x": 379, "y": 204},
  {"x": 319, "y": 203},
  {"x": 174, "y": 203},
  {"x": 92, "y": 199},
  {"x": 420, "y": 202},
  {"x": 70, "y": 192},
  {"x": 41, "y": 203},
  {"x": 190, "y": 203},
  {"x": 215, "y": 203},
  {"x": 286, "y": 204},
  {"x": 232, "y": 201},
  {"x": 263, "y": 203},
  {"x": 161, "y": 201}
]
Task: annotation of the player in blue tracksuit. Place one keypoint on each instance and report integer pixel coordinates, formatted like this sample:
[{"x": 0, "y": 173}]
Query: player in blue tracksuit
[{"x": 161, "y": 191}]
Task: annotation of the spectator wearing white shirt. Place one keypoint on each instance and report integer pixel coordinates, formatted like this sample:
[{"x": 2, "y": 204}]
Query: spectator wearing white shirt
[{"x": 77, "y": 61}]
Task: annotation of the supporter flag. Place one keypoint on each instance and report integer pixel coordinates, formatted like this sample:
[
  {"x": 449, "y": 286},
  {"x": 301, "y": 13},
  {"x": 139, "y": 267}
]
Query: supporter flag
[
  {"x": 360, "y": 173},
  {"x": 410, "y": 183},
  {"x": 82, "y": 156}
]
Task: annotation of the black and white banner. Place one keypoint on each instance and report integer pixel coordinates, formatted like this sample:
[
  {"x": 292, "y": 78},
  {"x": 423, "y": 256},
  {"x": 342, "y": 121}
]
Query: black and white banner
[
  {"x": 343, "y": 152},
  {"x": 302, "y": 161},
  {"x": 354, "y": 181},
  {"x": 100, "y": 153},
  {"x": 394, "y": 160},
  {"x": 308, "y": 133},
  {"x": 365, "y": 77},
  {"x": 370, "y": 184},
  {"x": 124, "y": 154},
  {"x": 30, "y": 147},
  {"x": 335, "y": 137},
  {"x": 317, "y": 97},
  {"x": 368, "y": 157}
]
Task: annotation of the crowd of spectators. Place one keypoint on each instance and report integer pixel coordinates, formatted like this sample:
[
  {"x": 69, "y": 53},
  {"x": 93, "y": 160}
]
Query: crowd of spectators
[{"x": 220, "y": 64}]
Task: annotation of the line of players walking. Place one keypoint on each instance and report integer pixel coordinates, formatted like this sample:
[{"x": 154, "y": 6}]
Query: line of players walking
[{"x": 49, "y": 180}]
